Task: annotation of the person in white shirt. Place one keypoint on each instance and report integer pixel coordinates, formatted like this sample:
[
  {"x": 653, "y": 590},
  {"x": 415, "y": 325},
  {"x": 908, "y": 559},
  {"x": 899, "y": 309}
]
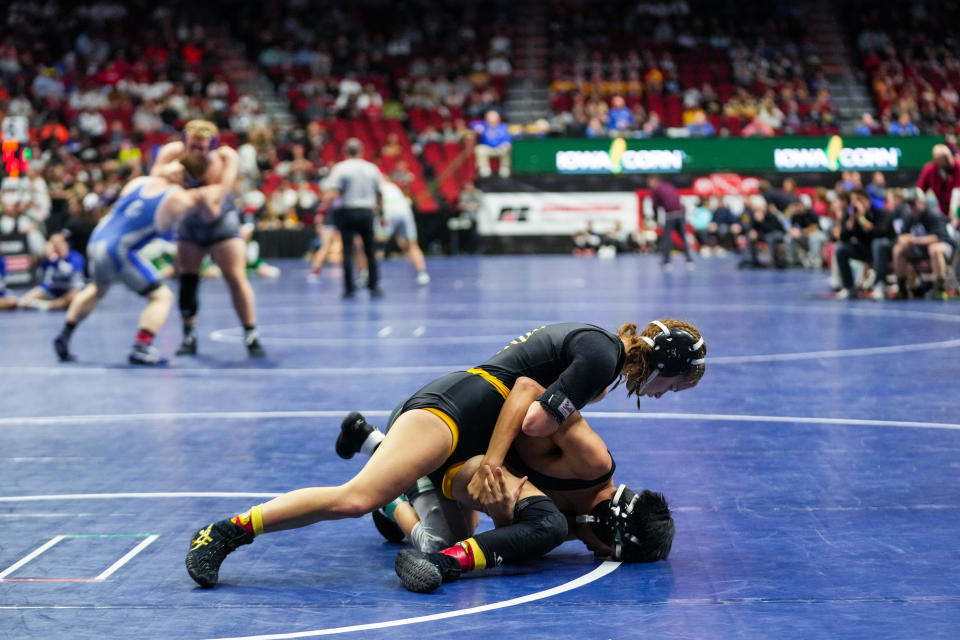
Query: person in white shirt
[
  {"x": 357, "y": 183},
  {"x": 399, "y": 223}
]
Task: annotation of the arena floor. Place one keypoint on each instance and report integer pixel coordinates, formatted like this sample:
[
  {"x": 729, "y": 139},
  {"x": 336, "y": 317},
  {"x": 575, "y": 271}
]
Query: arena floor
[{"x": 813, "y": 473}]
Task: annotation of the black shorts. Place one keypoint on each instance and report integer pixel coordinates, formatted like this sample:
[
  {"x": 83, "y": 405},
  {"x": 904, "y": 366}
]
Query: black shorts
[
  {"x": 469, "y": 403},
  {"x": 206, "y": 233}
]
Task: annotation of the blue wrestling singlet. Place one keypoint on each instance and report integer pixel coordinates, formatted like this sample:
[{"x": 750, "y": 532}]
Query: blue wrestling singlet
[{"x": 113, "y": 247}]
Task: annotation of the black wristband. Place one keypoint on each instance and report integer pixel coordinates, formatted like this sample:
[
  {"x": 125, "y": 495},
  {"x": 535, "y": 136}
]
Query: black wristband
[{"x": 557, "y": 405}]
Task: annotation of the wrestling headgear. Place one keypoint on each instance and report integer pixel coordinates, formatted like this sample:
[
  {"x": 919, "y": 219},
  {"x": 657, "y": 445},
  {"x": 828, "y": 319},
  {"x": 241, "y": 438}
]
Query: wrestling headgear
[
  {"x": 638, "y": 527},
  {"x": 674, "y": 352}
]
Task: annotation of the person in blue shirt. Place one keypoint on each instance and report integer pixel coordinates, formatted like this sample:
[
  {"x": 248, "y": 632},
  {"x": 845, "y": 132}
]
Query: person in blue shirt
[
  {"x": 878, "y": 190},
  {"x": 702, "y": 216},
  {"x": 148, "y": 207},
  {"x": 700, "y": 127},
  {"x": 6, "y": 302},
  {"x": 493, "y": 140},
  {"x": 619, "y": 118},
  {"x": 60, "y": 280},
  {"x": 867, "y": 125},
  {"x": 903, "y": 126},
  {"x": 725, "y": 229}
]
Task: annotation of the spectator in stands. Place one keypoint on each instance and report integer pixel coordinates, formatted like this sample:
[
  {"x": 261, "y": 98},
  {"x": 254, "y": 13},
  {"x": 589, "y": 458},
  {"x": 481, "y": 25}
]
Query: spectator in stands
[
  {"x": 804, "y": 233},
  {"x": 586, "y": 241},
  {"x": 652, "y": 128},
  {"x": 878, "y": 190},
  {"x": 780, "y": 199},
  {"x": 61, "y": 277},
  {"x": 866, "y": 234},
  {"x": 921, "y": 237},
  {"x": 493, "y": 141},
  {"x": 370, "y": 102},
  {"x": 595, "y": 128},
  {"x": 7, "y": 301},
  {"x": 619, "y": 118},
  {"x": 768, "y": 120},
  {"x": 702, "y": 217},
  {"x": 868, "y": 126},
  {"x": 13, "y": 219},
  {"x": 700, "y": 127},
  {"x": 903, "y": 126},
  {"x": 725, "y": 230},
  {"x": 765, "y": 227},
  {"x": 940, "y": 176}
]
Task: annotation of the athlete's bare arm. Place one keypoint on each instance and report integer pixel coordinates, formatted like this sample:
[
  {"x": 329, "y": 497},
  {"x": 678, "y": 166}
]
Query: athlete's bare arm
[
  {"x": 179, "y": 201},
  {"x": 214, "y": 194},
  {"x": 584, "y": 454},
  {"x": 170, "y": 152},
  {"x": 173, "y": 151}
]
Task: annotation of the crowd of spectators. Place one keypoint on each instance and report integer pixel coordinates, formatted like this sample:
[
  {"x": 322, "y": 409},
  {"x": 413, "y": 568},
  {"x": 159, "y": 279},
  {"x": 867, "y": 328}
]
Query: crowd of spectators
[
  {"x": 407, "y": 79},
  {"x": 666, "y": 69},
  {"x": 912, "y": 63},
  {"x": 102, "y": 86},
  {"x": 876, "y": 241}
]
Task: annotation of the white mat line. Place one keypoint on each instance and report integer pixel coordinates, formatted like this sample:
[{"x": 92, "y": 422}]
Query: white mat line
[
  {"x": 604, "y": 569},
  {"x": 30, "y": 556},
  {"x": 126, "y": 558}
]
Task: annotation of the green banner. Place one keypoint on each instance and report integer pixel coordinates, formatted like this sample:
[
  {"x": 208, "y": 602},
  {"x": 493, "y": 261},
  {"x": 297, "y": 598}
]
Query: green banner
[{"x": 673, "y": 155}]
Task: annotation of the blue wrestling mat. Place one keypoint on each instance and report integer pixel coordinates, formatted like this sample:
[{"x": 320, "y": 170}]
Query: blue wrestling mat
[{"x": 813, "y": 473}]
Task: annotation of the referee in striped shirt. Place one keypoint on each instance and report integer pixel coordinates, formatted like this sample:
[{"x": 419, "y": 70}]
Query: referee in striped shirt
[{"x": 357, "y": 183}]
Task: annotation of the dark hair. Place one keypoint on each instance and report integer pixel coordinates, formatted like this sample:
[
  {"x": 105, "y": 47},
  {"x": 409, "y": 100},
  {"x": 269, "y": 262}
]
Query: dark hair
[
  {"x": 652, "y": 525},
  {"x": 860, "y": 191}
]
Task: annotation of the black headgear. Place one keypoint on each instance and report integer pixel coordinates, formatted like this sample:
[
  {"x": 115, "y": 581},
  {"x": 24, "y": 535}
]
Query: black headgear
[
  {"x": 638, "y": 527},
  {"x": 674, "y": 352}
]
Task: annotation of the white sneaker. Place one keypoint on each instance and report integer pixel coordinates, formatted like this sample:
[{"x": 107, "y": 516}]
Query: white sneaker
[
  {"x": 878, "y": 293},
  {"x": 720, "y": 251},
  {"x": 705, "y": 252},
  {"x": 423, "y": 278},
  {"x": 843, "y": 294}
]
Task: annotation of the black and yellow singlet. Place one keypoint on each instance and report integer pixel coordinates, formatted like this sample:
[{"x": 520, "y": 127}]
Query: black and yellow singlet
[{"x": 579, "y": 360}]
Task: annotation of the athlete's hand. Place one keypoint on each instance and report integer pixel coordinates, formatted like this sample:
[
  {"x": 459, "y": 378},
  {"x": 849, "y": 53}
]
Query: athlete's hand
[{"x": 495, "y": 496}]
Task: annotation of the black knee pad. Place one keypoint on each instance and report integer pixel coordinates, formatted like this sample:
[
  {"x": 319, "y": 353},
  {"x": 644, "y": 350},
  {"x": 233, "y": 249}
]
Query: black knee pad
[
  {"x": 189, "y": 282},
  {"x": 537, "y": 528}
]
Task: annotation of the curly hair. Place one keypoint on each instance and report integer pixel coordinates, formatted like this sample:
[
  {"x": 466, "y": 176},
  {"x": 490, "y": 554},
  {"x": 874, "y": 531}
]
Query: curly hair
[{"x": 639, "y": 365}]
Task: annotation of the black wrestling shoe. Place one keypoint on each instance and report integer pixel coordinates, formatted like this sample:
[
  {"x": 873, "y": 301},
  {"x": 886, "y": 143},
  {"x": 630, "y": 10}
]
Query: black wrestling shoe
[
  {"x": 63, "y": 350},
  {"x": 254, "y": 350},
  {"x": 188, "y": 347},
  {"x": 424, "y": 572},
  {"x": 387, "y": 527},
  {"x": 209, "y": 546},
  {"x": 353, "y": 433}
]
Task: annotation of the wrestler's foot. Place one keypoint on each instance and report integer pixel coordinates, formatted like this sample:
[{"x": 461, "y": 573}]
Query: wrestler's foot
[
  {"x": 254, "y": 348},
  {"x": 354, "y": 431},
  {"x": 147, "y": 355},
  {"x": 189, "y": 346},
  {"x": 387, "y": 527},
  {"x": 63, "y": 349},
  {"x": 208, "y": 548},
  {"x": 424, "y": 572}
]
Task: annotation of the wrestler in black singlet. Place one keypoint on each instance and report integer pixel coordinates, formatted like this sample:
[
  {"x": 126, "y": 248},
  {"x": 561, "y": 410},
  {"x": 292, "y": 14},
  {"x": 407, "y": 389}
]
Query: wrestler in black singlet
[{"x": 574, "y": 359}]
